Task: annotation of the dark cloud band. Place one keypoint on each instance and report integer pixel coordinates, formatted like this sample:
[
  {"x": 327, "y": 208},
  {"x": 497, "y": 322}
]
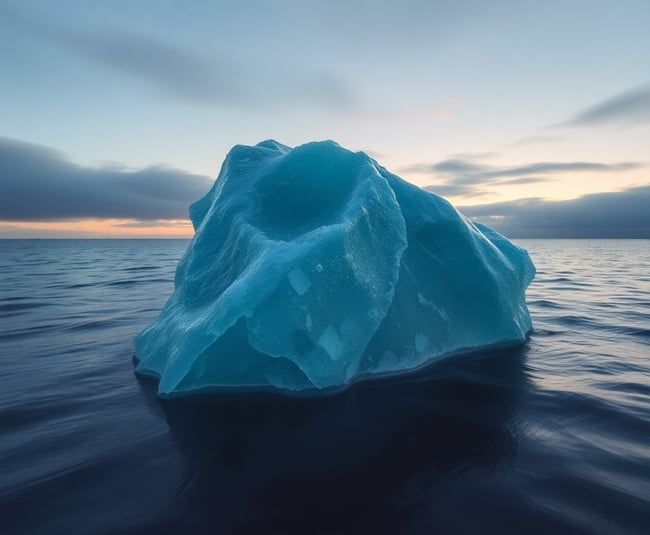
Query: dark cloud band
[
  {"x": 39, "y": 184},
  {"x": 622, "y": 214}
]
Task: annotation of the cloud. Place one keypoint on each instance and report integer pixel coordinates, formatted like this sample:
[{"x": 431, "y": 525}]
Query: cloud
[
  {"x": 534, "y": 140},
  {"x": 521, "y": 180},
  {"x": 465, "y": 177},
  {"x": 622, "y": 214},
  {"x": 456, "y": 190},
  {"x": 471, "y": 191},
  {"x": 550, "y": 168},
  {"x": 183, "y": 73},
  {"x": 454, "y": 166},
  {"x": 474, "y": 155},
  {"x": 630, "y": 108},
  {"x": 39, "y": 184},
  {"x": 477, "y": 173}
]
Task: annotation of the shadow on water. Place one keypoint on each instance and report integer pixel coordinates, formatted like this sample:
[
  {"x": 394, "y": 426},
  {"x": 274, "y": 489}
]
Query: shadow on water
[{"x": 266, "y": 463}]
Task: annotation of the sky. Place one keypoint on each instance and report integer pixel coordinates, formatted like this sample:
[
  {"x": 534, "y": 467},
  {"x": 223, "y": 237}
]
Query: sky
[{"x": 532, "y": 117}]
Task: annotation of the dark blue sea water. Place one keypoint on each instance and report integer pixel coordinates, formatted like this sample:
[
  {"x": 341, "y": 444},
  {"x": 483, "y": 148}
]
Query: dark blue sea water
[{"x": 553, "y": 437}]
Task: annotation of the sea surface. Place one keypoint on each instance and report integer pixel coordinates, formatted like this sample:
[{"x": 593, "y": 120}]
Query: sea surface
[{"x": 552, "y": 437}]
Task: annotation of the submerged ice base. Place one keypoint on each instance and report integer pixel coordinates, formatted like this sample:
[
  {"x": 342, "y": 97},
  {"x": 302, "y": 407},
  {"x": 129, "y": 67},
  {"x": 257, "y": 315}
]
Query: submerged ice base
[{"x": 314, "y": 266}]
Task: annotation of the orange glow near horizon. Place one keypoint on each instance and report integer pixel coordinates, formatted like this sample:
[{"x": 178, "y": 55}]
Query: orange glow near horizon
[{"x": 97, "y": 228}]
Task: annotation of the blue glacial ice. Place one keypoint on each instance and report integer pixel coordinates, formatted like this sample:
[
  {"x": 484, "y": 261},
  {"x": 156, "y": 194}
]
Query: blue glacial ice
[{"x": 313, "y": 267}]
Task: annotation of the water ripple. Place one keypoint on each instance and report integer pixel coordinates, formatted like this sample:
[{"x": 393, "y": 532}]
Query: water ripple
[{"x": 549, "y": 438}]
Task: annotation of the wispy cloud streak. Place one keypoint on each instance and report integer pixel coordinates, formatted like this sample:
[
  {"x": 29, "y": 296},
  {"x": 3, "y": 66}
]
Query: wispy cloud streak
[
  {"x": 466, "y": 177},
  {"x": 185, "y": 73},
  {"x": 630, "y": 108}
]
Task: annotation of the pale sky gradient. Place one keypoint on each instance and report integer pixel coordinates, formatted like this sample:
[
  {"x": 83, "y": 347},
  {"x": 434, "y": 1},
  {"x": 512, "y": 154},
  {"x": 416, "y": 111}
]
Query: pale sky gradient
[{"x": 115, "y": 115}]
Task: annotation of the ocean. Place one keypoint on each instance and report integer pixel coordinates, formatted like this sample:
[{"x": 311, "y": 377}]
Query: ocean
[{"x": 551, "y": 437}]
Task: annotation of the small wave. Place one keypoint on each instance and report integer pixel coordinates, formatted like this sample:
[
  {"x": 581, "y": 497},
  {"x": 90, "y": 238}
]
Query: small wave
[
  {"x": 566, "y": 282},
  {"x": 141, "y": 268},
  {"x": 21, "y": 414},
  {"x": 545, "y": 332},
  {"x": 571, "y": 319},
  {"x": 92, "y": 325},
  {"x": 601, "y": 325},
  {"x": 627, "y": 387},
  {"x": 628, "y": 330},
  {"x": 70, "y": 286},
  {"x": 133, "y": 282},
  {"x": 609, "y": 414},
  {"x": 636, "y": 331},
  {"x": 32, "y": 331},
  {"x": 14, "y": 307},
  {"x": 124, "y": 282},
  {"x": 544, "y": 303}
]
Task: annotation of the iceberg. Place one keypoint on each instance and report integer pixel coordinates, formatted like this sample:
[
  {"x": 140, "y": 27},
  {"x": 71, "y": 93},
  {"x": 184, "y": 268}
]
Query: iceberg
[{"x": 314, "y": 267}]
